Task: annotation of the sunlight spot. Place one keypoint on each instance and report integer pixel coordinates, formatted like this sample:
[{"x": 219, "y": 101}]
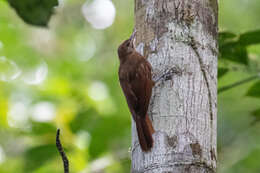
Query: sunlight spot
[
  {"x": 43, "y": 112},
  {"x": 100, "y": 164},
  {"x": 8, "y": 70},
  {"x": 21, "y": 97},
  {"x": 107, "y": 107},
  {"x": 36, "y": 75},
  {"x": 61, "y": 3},
  {"x": 18, "y": 115},
  {"x": 99, "y": 13},
  {"x": 85, "y": 47},
  {"x": 43, "y": 40},
  {"x": 98, "y": 91},
  {"x": 2, "y": 155},
  {"x": 82, "y": 139}
]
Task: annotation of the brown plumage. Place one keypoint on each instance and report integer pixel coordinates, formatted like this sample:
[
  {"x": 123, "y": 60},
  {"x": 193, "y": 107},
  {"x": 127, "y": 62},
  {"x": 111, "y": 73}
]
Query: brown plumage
[{"x": 136, "y": 82}]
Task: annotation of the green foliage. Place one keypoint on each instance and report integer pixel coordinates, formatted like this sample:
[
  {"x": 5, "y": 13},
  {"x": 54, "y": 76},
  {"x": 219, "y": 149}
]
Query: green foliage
[
  {"x": 234, "y": 48},
  {"x": 256, "y": 115},
  {"x": 234, "y": 51},
  {"x": 34, "y": 12},
  {"x": 250, "y": 38},
  {"x": 249, "y": 163},
  {"x": 39, "y": 128},
  {"x": 254, "y": 91},
  {"x": 36, "y": 157},
  {"x": 222, "y": 72},
  {"x": 95, "y": 123},
  {"x": 79, "y": 59},
  {"x": 238, "y": 62}
]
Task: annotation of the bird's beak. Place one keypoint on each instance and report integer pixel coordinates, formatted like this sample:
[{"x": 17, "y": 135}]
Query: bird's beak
[
  {"x": 133, "y": 35},
  {"x": 132, "y": 38}
]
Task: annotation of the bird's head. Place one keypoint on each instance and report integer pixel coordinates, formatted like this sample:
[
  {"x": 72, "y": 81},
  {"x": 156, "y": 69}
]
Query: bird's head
[{"x": 126, "y": 48}]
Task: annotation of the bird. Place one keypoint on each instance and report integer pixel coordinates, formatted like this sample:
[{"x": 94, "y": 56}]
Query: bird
[{"x": 135, "y": 78}]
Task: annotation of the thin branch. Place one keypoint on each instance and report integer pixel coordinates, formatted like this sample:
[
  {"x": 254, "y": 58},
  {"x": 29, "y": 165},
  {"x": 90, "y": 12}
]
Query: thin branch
[
  {"x": 62, "y": 153},
  {"x": 249, "y": 79}
]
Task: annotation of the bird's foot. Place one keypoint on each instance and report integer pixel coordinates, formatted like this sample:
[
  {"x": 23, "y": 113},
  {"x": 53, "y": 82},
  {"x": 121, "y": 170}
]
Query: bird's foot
[{"x": 169, "y": 74}]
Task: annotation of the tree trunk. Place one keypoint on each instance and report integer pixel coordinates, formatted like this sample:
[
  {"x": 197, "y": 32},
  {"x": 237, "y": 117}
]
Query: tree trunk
[{"x": 179, "y": 34}]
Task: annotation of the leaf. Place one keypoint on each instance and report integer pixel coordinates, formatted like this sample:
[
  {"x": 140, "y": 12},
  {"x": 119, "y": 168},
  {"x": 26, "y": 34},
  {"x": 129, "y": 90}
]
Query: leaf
[
  {"x": 42, "y": 128},
  {"x": 104, "y": 131},
  {"x": 235, "y": 52},
  {"x": 249, "y": 38},
  {"x": 37, "y": 156},
  {"x": 222, "y": 72},
  {"x": 224, "y": 37},
  {"x": 256, "y": 115},
  {"x": 34, "y": 12},
  {"x": 254, "y": 91}
]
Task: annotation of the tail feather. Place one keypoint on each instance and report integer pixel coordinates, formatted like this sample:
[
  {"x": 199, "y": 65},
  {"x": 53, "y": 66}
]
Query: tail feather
[{"x": 144, "y": 131}]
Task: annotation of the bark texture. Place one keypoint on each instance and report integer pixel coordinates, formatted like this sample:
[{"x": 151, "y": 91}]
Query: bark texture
[{"x": 179, "y": 34}]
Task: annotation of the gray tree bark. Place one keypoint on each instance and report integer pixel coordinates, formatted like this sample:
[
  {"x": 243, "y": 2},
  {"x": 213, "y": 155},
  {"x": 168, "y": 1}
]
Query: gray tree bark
[{"x": 179, "y": 35}]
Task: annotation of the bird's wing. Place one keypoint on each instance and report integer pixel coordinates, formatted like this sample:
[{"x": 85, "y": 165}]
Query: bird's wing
[
  {"x": 141, "y": 85},
  {"x": 130, "y": 96}
]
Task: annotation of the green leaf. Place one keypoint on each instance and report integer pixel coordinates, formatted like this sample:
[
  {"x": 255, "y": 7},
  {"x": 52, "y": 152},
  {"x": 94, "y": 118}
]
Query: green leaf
[
  {"x": 249, "y": 38},
  {"x": 42, "y": 128},
  {"x": 256, "y": 115},
  {"x": 254, "y": 91},
  {"x": 224, "y": 37},
  {"x": 103, "y": 130},
  {"x": 34, "y": 12},
  {"x": 36, "y": 157},
  {"x": 222, "y": 72},
  {"x": 235, "y": 52}
]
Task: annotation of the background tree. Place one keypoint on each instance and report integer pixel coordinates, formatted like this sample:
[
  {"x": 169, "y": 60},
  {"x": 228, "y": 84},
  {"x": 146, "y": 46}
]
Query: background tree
[
  {"x": 181, "y": 35},
  {"x": 55, "y": 77}
]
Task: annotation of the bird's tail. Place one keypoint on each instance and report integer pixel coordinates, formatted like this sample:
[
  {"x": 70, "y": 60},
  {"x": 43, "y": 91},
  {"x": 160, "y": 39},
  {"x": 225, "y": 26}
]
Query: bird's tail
[{"x": 144, "y": 131}]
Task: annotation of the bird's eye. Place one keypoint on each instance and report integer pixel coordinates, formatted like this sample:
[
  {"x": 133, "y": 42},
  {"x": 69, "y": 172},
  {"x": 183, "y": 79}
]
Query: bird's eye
[{"x": 128, "y": 44}]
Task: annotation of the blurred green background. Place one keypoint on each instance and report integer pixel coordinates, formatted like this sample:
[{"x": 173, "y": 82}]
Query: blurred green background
[{"x": 65, "y": 76}]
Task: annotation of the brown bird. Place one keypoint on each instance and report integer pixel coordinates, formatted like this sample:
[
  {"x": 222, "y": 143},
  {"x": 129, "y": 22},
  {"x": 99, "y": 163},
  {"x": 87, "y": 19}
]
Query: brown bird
[{"x": 136, "y": 81}]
